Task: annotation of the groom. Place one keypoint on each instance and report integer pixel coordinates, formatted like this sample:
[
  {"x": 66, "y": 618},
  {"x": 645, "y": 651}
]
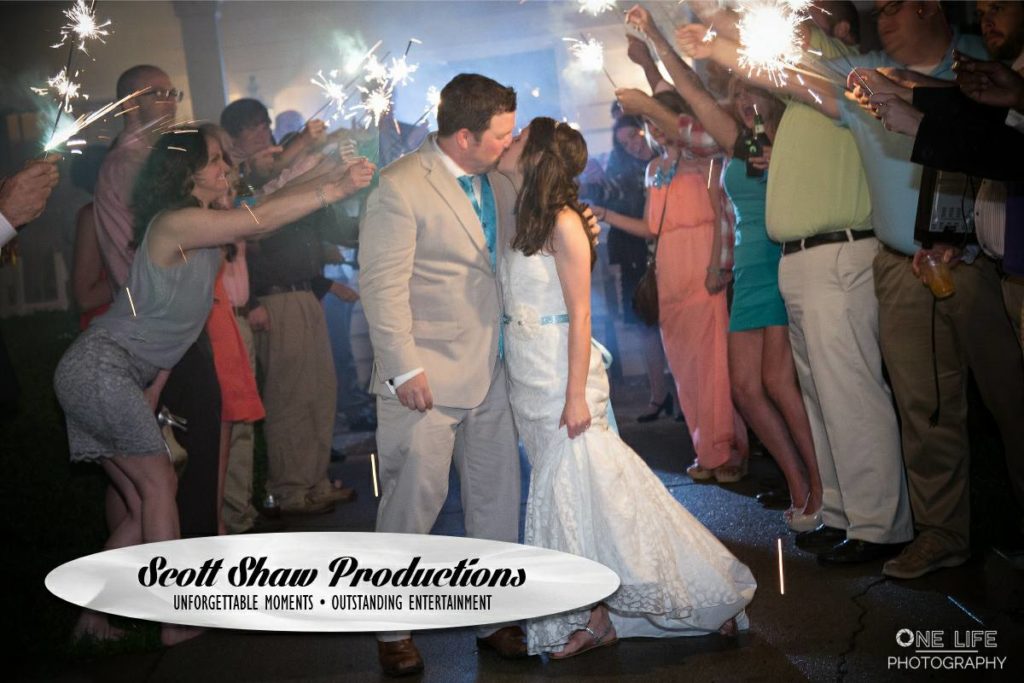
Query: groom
[{"x": 429, "y": 246}]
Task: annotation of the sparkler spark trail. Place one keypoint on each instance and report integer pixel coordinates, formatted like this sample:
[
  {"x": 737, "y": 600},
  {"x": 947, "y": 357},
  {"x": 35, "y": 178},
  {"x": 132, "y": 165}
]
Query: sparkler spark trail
[
  {"x": 596, "y": 7},
  {"x": 400, "y": 72},
  {"x": 375, "y": 104},
  {"x": 131, "y": 302},
  {"x": 782, "y": 577},
  {"x": 58, "y": 138},
  {"x": 589, "y": 54},
  {"x": 82, "y": 26},
  {"x": 373, "y": 472},
  {"x": 247, "y": 208},
  {"x": 65, "y": 88},
  {"x": 769, "y": 37},
  {"x": 375, "y": 69}
]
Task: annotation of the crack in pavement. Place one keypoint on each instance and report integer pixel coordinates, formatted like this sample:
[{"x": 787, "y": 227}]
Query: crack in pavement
[{"x": 841, "y": 669}]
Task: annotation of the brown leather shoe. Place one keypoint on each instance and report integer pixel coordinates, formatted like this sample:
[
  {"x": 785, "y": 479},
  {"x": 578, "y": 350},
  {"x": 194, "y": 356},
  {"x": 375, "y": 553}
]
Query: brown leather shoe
[
  {"x": 508, "y": 642},
  {"x": 399, "y": 657}
]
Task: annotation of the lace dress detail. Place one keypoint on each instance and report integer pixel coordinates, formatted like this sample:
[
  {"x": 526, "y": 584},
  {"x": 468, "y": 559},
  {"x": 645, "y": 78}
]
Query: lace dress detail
[{"x": 594, "y": 497}]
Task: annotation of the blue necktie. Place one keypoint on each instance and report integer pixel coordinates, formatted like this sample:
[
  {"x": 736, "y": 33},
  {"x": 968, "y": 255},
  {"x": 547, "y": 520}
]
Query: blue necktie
[
  {"x": 488, "y": 216},
  {"x": 486, "y": 213}
]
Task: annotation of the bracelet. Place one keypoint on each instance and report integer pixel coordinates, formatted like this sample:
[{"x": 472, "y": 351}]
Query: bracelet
[{"x": 320, "y": 195}]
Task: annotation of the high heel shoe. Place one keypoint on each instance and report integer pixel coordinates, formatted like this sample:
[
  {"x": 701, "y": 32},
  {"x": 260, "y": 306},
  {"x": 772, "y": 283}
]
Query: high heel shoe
[
  {"x": 798, "y": 520},
  {"x": 659, "y": 408}
]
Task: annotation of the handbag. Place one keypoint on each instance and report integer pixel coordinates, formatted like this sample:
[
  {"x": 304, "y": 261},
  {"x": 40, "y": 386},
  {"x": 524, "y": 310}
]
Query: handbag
[{"x": 645, "y": 297}]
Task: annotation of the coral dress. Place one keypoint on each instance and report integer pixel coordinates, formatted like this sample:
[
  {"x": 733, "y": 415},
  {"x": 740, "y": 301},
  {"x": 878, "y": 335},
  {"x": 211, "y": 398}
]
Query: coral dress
[
  {"x": 240, "y": 399},
  {"x": 694, "y": 324}
]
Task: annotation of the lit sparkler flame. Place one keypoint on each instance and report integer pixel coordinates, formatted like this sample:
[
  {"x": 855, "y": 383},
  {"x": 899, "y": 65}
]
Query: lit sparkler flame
[
  {"x": 335, "y": 91},
  {"x": 375, "y": 104},
  {"x": 589, "y": 54},
  {"x": 400, "y": 72},
  {"x": 769, "y": 37},
  {"x": 81, "y": 26},
  {"x": 65, "y": 88},
  {"x": 72, "y": 129},
  {"x": 596, "y": 7},
  {"x": 375, "y": 69}
]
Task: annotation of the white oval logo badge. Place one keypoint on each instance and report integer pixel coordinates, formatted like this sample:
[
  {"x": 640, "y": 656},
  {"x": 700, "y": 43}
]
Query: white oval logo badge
[{"x": 332, "y": 582}]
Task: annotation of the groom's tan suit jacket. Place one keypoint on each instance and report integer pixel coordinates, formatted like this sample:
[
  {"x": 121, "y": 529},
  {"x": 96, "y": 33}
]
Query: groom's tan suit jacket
[{"x": 431, "y": 299}]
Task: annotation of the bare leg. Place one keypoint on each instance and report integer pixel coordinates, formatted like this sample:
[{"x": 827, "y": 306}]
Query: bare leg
[
  {"x": 654, "y": 360},
  {"x": 746, "y": 360},
  {"x": 124, "y": 522},
  {"x": 222, "y": 474},
  {"x": 154, "y": 478},
  {"x": 779, "y": 376}
]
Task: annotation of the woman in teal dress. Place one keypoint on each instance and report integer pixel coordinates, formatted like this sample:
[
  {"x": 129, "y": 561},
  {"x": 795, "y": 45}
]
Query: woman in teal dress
[{"x": 761, "y": 368}]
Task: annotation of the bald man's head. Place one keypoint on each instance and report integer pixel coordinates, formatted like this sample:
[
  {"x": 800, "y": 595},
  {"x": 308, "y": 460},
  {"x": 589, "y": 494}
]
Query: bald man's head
[{"x": 158, "y": 101}]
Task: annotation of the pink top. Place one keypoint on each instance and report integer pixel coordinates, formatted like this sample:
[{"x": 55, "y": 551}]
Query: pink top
[
  {"x": 236, "y": 277},
  {"x": 112, "y": 207}
]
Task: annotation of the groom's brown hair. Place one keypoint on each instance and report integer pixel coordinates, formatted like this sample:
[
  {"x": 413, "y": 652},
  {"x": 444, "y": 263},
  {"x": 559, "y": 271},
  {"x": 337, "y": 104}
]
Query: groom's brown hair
[{"x": 470, "y": 101}]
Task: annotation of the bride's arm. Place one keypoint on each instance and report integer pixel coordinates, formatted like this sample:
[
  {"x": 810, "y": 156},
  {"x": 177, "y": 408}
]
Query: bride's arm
[{"x": 572, "y": 261}]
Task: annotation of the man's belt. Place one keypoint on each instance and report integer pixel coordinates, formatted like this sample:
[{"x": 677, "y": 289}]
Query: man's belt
[
  {"x": 303, "y": 286},
  {"x": 826, "y": 238}
]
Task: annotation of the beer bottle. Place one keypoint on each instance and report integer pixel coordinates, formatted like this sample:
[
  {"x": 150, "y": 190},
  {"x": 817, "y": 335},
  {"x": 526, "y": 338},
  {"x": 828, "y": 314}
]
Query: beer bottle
[{"x": 755, "y": 145}]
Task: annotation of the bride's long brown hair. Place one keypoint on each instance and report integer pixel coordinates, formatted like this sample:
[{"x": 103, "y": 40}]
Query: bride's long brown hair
[{"x": 553, "y": 157}]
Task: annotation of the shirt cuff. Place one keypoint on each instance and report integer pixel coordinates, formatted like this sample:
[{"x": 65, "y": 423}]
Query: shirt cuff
[
  {"x": 7, "y": 231},
  {"x": 403, "y": 378}
]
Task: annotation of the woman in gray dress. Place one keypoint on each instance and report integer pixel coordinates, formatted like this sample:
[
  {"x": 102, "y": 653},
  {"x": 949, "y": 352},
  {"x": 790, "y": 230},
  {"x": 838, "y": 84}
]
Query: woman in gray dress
[{"x": 109, "y": 380}]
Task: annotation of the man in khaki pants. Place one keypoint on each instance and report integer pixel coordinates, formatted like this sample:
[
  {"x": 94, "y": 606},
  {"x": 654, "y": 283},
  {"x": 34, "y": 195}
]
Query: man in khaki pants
[{"x": 429, "y": 244}]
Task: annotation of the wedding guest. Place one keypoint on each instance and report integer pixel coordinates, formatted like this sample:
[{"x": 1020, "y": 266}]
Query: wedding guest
[
  {"x": 761, "y": 364},
  {"x": 108, "y": 380}
]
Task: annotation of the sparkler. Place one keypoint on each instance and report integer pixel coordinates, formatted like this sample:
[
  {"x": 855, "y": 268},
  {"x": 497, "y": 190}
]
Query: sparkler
[
  {"x": 131, "y": 302},
  {"x": 589, "y": 55},
  {"x": 408, "y": 46},
  {"x": 596, "y": 7},
  {"x": 247, "y": 208},
  {"x": 182, "y": 251},
  {"x": 709, "y": 35},
  {"x": 400, "y": 72},
  {"x": 433, "y": 102},
  {"x": 769, "y": 37},
  {"x": 59, "y": 138},
  {"x": 373, "y": 472},
  {"x": 82, "y": 26},
  {"x": 335, "y": 92},
  {"x": 375, "y": 104},
  {"x": 375, "y": 69},
  {"x": 64, "y": 87},
  {"x": 782, "y": 577}
]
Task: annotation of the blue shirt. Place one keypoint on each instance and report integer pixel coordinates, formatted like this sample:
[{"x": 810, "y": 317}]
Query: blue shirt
[{"x": 893, "y": 180}]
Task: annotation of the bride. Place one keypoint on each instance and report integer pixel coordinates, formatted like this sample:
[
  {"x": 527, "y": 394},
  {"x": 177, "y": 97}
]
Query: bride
[{"x": 590, "y": 494}]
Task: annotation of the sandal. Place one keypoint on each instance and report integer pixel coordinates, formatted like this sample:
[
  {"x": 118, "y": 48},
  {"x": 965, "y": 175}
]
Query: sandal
[{"x": 598, "y": 641}]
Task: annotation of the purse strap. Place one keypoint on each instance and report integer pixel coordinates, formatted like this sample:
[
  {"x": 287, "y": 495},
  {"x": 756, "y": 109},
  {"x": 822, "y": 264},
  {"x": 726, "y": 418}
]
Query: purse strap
[{"x": 664, "y": 210}]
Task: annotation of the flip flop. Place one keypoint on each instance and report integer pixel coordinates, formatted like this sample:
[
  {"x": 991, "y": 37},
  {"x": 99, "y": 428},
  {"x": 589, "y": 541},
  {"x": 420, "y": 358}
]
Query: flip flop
[{"x": 598, "y": 641}]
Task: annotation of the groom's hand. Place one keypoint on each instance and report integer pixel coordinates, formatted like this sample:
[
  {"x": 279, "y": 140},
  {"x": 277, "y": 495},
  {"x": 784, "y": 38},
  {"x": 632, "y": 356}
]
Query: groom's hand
[{"x": 415, "y": 394}]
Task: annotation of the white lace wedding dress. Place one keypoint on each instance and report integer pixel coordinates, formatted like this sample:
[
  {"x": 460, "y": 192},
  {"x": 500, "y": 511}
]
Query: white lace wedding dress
[{"x": 594, "y": 497}]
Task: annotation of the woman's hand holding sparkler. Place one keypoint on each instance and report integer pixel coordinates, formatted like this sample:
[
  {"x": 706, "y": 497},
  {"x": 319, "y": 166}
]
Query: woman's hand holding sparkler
[
  {"x": 639, "y": 17},
  {"x": 350, "y": 180},
  {"x": 896, "y": 115},
  {"x": 691, "y": 41},
  {"x": 634, "y": 102}
]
